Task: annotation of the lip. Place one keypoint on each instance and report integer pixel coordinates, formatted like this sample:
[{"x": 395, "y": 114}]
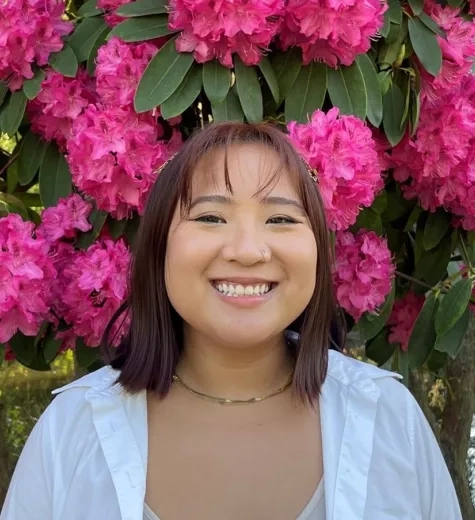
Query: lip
[
  {"x": 244, "y": 301},
  {"x": 243, "y": 281}
]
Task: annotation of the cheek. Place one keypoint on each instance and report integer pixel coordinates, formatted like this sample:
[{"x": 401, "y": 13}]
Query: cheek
[{"x": 300, "y": 256}]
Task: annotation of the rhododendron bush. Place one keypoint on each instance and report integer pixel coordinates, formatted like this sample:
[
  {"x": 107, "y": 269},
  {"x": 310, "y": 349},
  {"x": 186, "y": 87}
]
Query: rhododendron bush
[{"x": 378, "y": 97}]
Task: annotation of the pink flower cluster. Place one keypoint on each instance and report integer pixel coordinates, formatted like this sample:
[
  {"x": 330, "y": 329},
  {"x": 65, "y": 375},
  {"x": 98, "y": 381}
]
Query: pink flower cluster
[
  {"x": 60, "y": 101},
  {"x": 458, "y": 50},
  {"x": 335, "y": 31},
  {"x": 64, "y": 219},
  {"x": 109, "y": 7},
  {"x": 30, "y": 30},
  {"x": 438, "y": 165},
  {"x": 113, "y": 154},
  {"x": 343, "y": 152},
  {"x": 363, "y": 271},
  {"x": 93, "y": 284},
  {"x": 119, "y": 67},
  {"x": 218, "y": 29},
  {"x": 26, "y": 276},
  {"x": 402, "y": 318}
]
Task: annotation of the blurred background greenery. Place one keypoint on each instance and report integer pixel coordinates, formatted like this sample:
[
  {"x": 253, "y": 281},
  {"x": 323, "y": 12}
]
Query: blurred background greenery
[{"x": 24, "y": 395}]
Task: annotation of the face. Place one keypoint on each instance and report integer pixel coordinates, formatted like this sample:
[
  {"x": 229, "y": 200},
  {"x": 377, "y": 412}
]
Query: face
[{"x": 241, "y": 266}]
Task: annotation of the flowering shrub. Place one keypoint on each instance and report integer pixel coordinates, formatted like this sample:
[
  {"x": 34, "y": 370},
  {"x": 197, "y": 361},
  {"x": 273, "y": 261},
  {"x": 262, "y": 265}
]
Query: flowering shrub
[{"x": 378, "y": 99}]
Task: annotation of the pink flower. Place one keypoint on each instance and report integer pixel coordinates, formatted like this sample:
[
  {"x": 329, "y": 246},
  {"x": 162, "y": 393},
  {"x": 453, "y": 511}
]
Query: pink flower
[
  {"x": 402, "y": 318},
  {"x": 333, "y": 31},
  {"x": 110, "y": 6},
  {"x": 213, "y": 29},
  {"x": 94, "y": 285},
  {"x": 60, "y": 101},
  {"x": 363, "y": 271},
  {"x": 437, "y": 165},
  {"x": 30, "y": 30},
  {"x": 119, "y": 69},
  {"x": 458, "y": 50},
  {"x": 64, "y": 219},
  {"x": 343, "y": 152},
  {"x": 113, "y": 155},
  {"x": 26, "y": 276}
]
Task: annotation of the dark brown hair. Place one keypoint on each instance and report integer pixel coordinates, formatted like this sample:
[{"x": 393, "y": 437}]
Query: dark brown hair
[{"x": 148, "y": 354}]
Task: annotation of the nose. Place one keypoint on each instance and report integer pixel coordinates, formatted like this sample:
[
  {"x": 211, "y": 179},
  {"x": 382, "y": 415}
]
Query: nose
[{"x": 246, "y": 246}]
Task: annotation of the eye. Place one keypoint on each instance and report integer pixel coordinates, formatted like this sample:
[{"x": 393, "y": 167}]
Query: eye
[
  {"x": 209, "y": 219},
  {"x": 281, "y": 219}
]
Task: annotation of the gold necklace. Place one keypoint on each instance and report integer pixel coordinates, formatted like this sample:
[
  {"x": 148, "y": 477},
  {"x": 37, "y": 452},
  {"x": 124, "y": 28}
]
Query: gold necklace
[{"x": 222, "y": 400}]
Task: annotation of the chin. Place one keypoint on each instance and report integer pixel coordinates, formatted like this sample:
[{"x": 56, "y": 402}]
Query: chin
[{"x": 242, "y": 336}]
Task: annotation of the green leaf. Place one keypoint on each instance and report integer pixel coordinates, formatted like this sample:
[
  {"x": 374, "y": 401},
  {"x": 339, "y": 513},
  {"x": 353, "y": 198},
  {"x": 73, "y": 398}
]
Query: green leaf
[
  {"x": 132, "y": 228},
  {"x": 97, "y": 218},
  {"x": 416, "y": 6},
  {"x": 308, "y": 92},
  {"x": 65, "y": 62},
  {"x": 395, "y": 11},
  {"x": 143, "y": 8},
  {"x": 384, "y": 82},
  {"x": 379, "y": 349},
  {"x": 347, "y": 90},
  {"x": 85, "y": 356},
  {"x": 249, "y": 90},
  {"x": 426, "y": 46},
  {"x": 89, "y": 9},
  {"x": 436, "y": 362},
  {"x": 373, "y": 90},
  {"x": 12, "y": 177},
  {"x": 229, "y": 110},
  {"x": 396, "y": 205},
  {"x": 286, "y": 66},
  {"x": 369, "y": 220},
  {"x": 91, "y": 61},
  {"x": 11, "y": 204},
  {"x": 216, "y": 81},
  {"x": 370, "y": 326},
  {"x": 432, "y": 25},
  {"x": 393, "y": 111},
  {"x": 453, "y": 305},
  {"x": 12, "y": 114},
  {"x": 23, "y": 348},
  {"x": 31, "y": 155},
  {"x": 116, "y": 227},
  {"x": 455, "y": 3},
  {"x": 415, "y": 112},
  {"x": 437, "y": 225},
  {"x": 387, "y": 25},
  {"x": 51, "y": 346},
  {"x": 162, "y": 77},
  {"x": 32, "y": 87},
  {"x": 55, "y": 177},
  {"x": 413, "y": 217},
  {"x": 451, "y": 341},
  {"x": 270, "y": 77},
  {"x": 185, "y": 94},
  {"x": 393, "y": 34},
  {"x": 30, "y": 200},
  {"x": 380, "y": 202},
  {"x": 3, "y": 91},
  {"x": 83, "y": 38},
  {"x": 423, "y": 334},
  {"x": 2, "y": 354},
  {"x": 142, "y": 29}
]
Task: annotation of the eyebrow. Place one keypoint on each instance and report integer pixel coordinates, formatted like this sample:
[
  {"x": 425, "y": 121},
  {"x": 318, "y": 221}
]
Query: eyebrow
[{"x": 271, "y": 201}]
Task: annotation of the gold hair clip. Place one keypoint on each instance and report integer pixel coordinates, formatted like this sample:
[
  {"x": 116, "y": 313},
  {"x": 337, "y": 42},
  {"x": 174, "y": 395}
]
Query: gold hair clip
[{"x": 160, "y": 168}]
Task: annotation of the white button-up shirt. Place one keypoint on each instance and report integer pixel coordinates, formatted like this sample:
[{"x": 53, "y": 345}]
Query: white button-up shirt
[{"x": 86, "y": 457}]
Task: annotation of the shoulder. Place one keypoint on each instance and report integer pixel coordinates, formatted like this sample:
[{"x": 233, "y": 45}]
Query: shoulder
[{"x": 396, "y": 407}]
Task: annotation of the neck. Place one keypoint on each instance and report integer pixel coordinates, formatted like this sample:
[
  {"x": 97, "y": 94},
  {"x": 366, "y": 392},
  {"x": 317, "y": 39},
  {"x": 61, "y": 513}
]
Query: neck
[{"x": 234, "y": 372}]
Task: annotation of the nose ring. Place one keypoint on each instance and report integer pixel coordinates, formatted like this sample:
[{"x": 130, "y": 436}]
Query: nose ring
[{"x": 264, "y": 255}]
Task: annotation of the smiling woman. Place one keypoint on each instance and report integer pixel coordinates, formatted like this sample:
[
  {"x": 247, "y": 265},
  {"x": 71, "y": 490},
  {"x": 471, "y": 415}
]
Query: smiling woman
[{"x": 224, "y": 400}]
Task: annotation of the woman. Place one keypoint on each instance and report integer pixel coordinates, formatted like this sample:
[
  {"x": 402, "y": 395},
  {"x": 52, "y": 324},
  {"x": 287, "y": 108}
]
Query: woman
[{"x": 223, "y": 400}]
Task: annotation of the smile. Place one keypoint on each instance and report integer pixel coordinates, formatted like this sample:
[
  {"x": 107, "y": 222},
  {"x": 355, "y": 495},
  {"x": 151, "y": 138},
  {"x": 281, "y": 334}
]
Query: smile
[{"x": 234, "y": 290}]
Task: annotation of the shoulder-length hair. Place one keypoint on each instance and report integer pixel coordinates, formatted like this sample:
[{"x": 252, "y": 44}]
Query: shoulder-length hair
[{"x": 150, "y": 349}]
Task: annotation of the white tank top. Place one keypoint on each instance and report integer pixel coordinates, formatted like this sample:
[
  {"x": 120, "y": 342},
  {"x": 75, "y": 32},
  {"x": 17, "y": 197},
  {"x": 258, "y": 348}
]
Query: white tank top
[{"x": 314, "y": 510}]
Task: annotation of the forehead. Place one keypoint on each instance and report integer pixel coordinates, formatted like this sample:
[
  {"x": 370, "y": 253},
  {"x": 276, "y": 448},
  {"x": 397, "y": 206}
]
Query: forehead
[{"x": 242, "y": 169}]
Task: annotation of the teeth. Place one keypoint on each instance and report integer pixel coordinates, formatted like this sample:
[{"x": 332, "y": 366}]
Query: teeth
[{"x": 229, "y": 289}]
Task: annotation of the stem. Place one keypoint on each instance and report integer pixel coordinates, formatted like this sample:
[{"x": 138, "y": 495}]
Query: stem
[
  {"x": 12, "y": 159},
  {"x": 414, "y": 280},
  {"x": 465, "y": 252}
]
